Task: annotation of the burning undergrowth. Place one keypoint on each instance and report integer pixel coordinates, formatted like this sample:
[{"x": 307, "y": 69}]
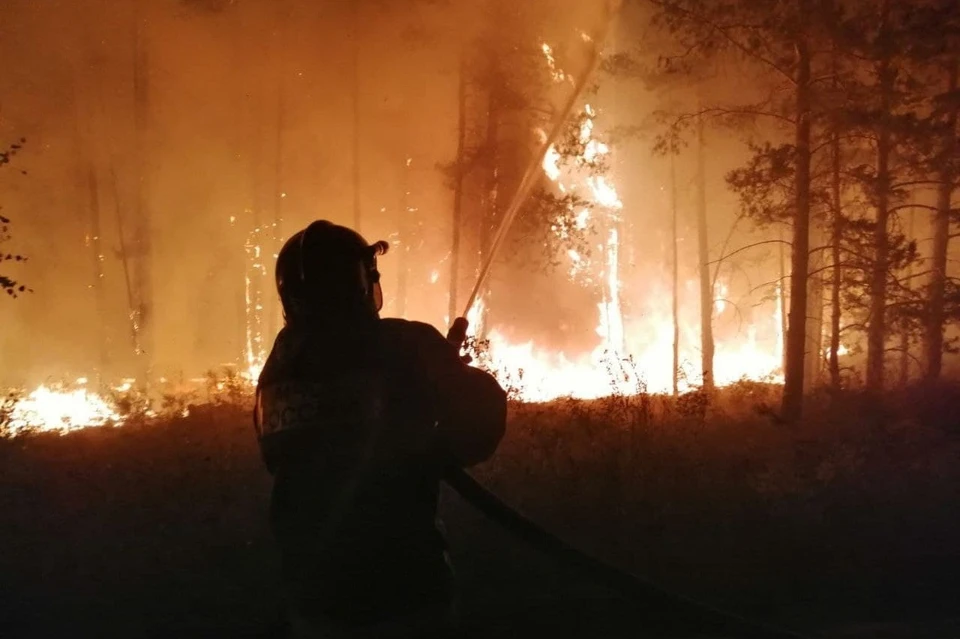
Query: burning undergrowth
[
  {"x": 66, "y": 407},
  {"x": 63, "y": 407}
]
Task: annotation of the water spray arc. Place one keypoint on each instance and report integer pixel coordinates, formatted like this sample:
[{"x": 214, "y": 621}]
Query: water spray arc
[{"x": 533, "y": 170}]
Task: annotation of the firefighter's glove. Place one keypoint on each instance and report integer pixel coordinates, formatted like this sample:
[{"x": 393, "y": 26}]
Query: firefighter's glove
[{"x": 457, "y": 335}]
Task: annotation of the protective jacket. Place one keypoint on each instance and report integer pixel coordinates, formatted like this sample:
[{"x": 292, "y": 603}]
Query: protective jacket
[{"x": 357, "y": 423}]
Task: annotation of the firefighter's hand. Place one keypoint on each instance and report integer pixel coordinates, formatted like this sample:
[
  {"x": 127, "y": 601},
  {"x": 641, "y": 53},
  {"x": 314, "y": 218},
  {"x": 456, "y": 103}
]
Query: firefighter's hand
[{"x": 457, "y": 335}]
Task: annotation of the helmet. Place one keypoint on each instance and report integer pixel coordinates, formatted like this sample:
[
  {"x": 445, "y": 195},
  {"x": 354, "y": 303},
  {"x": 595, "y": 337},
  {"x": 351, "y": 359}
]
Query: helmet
[{"x": 330, "y": 270}]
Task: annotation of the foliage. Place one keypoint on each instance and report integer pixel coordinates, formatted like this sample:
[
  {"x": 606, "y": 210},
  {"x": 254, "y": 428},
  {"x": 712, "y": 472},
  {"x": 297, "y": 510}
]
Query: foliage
[
  {"x": 547, "y": 227},
  {"x": 132, "y": 404},
  {"x": 7, "y": 284},
  {"x": 228, "y": 387},
  {"x": 765, "y": 184},
  {"x": 7, "y": 405}
]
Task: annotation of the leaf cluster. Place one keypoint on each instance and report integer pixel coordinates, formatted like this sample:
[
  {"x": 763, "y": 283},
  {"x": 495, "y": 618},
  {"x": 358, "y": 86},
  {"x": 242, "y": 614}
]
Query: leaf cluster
[{"x": 10, "y": 286}]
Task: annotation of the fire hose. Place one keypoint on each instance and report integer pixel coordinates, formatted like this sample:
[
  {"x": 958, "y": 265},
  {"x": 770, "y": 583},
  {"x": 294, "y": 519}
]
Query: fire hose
[{"x": 638, "y": 589}]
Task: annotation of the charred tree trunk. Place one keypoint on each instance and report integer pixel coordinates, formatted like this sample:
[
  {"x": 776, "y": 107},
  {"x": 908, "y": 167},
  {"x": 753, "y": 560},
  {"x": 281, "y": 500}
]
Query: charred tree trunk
[
  {"x": 814, "y": 354},
  {"x": 836, "y": 236},
  {"x": 95, "y": 243},
  {"x": 490, "y": 210},
  {"x": 905, "y": 327},
  {"x": 255, "y": 233},
  {"x": 941, "y": 240},
  {"x": 356, "y": 116},
  {"x": 876, "y": 330},
  {"x": 676, "y": 280},
  {"x": 404, "y": 231},
  {"x": 792, "y": 407},
  {"x": 458, "y": 190},
  {"x": 784, "y": 300},
  {"x": 703, "y": 249},
  {"x": 142, "y": 276},
  {"x": 88, "y": 199},
  {"x": 125, "y": 261},
  {"x": 492, "y": 149},
  {"x": 272, "y": 241}
]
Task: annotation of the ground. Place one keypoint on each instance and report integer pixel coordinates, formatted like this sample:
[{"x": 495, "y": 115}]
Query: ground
[{"x": 843, "y": 526}]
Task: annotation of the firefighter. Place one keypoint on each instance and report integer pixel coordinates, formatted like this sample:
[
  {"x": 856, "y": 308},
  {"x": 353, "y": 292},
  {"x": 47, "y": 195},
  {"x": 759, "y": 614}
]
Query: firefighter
[{"x": 357, "y": 419}]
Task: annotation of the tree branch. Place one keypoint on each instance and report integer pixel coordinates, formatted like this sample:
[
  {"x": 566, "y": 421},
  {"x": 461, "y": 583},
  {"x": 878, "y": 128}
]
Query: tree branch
[
  {"x": 722, "y": 31},
  {"x": 748, "y": 246}
]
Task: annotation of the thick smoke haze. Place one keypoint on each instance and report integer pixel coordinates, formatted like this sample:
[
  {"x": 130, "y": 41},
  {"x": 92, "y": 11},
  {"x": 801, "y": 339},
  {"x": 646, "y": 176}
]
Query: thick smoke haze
[
  {"x": 248, "y": 119},
  {"x": 170, "y": 142}
]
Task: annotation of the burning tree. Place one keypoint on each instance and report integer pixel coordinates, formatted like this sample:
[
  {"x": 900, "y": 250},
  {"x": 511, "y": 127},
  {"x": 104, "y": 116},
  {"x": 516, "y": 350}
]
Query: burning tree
[{"x": 509, "y": 82}]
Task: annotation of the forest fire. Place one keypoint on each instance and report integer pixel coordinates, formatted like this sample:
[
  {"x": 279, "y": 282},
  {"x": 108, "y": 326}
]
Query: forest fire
[
  {"x": 653, "y": 287},
  {"x": 697, "y": 265},
  {"x": 624, "y": 362},
  {"x": 60, "y": 409},
  {"x": 630, "y": 351}
]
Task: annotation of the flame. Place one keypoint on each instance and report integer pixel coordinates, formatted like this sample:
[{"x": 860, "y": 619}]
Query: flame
[
  {"x": 634, "y": 352},
  {"x": 604, "y": 193},
  {"x": 252, "y": 372},
  {"x": 543, "y": 375},
  {"x": 61, "y": 410},
  {"x": 256, "y": 282},
  {"x": 720, "y": 298},
  {"x": 551, "y": 163},
  {"x": 556, "y": 73}
]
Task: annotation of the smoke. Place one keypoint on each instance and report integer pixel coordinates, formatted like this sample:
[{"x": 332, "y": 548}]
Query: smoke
[{"x": 247, "y": 120}]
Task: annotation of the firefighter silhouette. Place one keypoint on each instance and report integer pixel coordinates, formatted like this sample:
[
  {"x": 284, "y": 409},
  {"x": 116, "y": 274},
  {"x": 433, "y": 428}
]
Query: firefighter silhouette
[{"x": 358, "y": 417}]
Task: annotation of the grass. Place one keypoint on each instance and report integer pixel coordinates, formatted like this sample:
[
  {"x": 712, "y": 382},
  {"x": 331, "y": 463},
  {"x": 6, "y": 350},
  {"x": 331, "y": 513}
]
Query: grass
[{"x": 159, "y": 528}]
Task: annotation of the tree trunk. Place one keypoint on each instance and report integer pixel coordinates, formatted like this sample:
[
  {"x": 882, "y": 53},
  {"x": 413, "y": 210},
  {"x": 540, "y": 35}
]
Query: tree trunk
[
  {"x": 941, "y": 242},
  {"x": 253, "y": 235},
  {"x": 676, "y": 282},
  {"x": 458, "y": 190},
  {"x": 703, "y": 249},
  {"x": 792, "y": 407},
  {"x": 142, "y": 231},
  {"x": 356, "y": 116},
  {"x": 876, "y": 329},
  {"x": 836, "y": 236},
  {"x": 405, "y": 239},
  {"x": 88, "y": 192},
  {"x": 126, "y": 262},
  {"x": 784, "y": 299},
  {"x": 905, "y": 328},
  {"x": 490, "y": 210},
  {"x": 96, "y": 253},
  {"x": 814, "y": 348},
  {"x": 271, "y": 242},
  {"x": 492, "y": 148}
]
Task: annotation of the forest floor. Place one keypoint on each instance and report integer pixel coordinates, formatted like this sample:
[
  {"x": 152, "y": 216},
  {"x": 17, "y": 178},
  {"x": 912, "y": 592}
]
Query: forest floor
[{"x": 844, "y": 526}]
